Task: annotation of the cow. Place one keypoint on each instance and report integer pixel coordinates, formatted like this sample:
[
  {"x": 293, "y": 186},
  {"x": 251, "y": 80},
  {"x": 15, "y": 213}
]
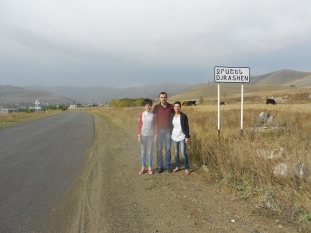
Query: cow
[
  {"x": 270, "y": 101},
  {"x": 222, "y": 102},
  {"x": 189, "y": 103}
]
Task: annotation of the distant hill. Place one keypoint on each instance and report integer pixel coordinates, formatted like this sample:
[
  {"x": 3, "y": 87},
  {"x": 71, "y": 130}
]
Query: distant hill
[
  {"x": 286, "y": 80},
  {"x": 226, "y": 90},
  {"x": 102, "y": 94},
  {"x": 12, "y": 94}
]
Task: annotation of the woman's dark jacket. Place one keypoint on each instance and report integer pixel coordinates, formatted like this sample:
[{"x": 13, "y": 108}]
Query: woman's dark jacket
[{"x": 183, "y": 122}]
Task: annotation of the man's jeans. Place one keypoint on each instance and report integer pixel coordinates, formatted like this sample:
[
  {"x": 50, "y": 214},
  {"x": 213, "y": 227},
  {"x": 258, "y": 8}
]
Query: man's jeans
[
  {"x": 183, "y": 152},
  {"x": 164, "y": 135},
  {"x": 146, "y": 146}
]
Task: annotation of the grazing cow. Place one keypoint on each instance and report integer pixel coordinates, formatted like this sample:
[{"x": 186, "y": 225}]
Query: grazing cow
[
  {"x": 222, "y": 102},
  {"x": 189, "y": 103},
  {"x": 270, "y": 101},
  {"x": 185, "y": 103}
]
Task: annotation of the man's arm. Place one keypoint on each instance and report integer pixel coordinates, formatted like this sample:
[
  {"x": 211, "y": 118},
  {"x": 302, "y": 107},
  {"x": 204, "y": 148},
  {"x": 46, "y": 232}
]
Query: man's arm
[{"x": 155, "y": 109}]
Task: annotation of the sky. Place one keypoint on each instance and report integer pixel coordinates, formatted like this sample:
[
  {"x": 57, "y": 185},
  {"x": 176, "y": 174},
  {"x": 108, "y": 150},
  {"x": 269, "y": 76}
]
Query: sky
[{"x": 125, "y": 43}]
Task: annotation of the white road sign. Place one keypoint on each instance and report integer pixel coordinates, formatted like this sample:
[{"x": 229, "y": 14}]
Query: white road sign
[{"x": 224, "y": 74}]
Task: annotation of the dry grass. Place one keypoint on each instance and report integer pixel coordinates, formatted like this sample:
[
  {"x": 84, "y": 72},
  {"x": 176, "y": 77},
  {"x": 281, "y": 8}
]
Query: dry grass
[
  {"x": 19, "y": 117},
  {"x": 234, "y": 159}
]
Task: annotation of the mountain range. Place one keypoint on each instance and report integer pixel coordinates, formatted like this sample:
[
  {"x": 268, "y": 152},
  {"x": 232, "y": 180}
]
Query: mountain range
[
  {"x": 17, "y": 95},
  {"x": 278, "y": 80},
  {"x": 101, "y": 94}
]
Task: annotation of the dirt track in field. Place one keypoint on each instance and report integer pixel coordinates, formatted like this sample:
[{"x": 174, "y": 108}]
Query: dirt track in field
[{"x": 110, "y": 196}]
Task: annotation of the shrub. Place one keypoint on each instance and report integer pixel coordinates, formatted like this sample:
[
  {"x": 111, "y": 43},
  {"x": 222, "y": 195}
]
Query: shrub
[
  {"x": 201, "y": 100},
  {"x": 127, "y": 102}
]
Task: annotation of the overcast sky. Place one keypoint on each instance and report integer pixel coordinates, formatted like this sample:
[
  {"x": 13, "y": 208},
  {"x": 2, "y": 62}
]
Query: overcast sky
[{"x": 123, "y": 43}]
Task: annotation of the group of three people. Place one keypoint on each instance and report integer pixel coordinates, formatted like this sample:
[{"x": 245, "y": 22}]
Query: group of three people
[{"x": 165, "y": 123}]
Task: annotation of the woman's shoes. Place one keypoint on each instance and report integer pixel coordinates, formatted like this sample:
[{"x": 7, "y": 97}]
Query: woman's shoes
[
  {"x": 176, "y": 170},
  {"x": 150, "y": 172},
  {"x": 142, "y": 171},
  {"x": 187, "y": 172}
]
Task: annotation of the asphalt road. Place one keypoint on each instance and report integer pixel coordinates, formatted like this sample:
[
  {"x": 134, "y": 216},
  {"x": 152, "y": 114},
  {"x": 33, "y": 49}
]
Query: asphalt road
[{"x": 39, "y": 160}]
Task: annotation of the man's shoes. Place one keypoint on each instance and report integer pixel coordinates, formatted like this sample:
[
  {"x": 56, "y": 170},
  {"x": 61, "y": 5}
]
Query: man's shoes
[
  {"x": 169, "y": 169},
  {"x": 160, "y": 170}
]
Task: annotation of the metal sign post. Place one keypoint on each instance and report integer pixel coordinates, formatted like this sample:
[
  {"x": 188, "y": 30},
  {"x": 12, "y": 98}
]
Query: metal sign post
[
  {"x": 223, "y": 74},
  {"x": 218, "y": 103},
  {"x": 242, "y": 104}
]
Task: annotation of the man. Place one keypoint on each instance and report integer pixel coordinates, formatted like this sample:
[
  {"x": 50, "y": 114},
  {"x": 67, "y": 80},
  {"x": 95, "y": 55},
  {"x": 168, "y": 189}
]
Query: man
[{"x": 164, "y": 110}]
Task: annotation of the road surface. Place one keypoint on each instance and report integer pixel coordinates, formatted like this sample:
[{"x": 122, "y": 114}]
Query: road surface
[{"x": 39, "y": 161}]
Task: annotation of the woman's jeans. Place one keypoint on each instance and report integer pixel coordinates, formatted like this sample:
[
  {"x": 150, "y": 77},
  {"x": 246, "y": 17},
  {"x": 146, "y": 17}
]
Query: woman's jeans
[
  {"x": 183, "y": 152},
  {"x": 146, "y": 145}
]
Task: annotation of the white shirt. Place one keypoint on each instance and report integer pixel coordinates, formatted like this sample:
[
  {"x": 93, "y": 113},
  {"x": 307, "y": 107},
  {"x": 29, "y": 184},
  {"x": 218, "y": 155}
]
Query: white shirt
[
  {"x": 177, "y": 134},
  {"x": 147, "y": 126}
]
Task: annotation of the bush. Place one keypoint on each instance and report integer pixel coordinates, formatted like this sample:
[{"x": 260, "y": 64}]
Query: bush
[
  {"x": 127, "y": 102},
  {"x": 201, "y": 100},
  {"x": 63, "y": 107}
]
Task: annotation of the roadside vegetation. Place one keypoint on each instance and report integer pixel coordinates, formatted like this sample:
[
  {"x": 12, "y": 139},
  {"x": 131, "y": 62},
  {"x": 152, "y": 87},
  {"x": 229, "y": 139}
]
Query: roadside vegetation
[
  {"x": 267, "y": 163},
  {"x": 62, "y": 107},
  {"x": 127, "y": 102},
  {"x": 8, "y": 119}
]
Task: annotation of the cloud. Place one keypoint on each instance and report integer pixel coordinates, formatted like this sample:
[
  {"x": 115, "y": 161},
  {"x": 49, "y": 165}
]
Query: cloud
[{"x": 89, "y": 41}]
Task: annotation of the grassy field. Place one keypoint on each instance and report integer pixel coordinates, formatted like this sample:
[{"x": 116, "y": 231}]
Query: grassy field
[{"x": 268, "y": 163}]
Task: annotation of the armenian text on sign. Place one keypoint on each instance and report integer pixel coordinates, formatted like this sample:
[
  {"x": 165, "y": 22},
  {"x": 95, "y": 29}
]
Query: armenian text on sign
[{"x": 231, "y": 74}]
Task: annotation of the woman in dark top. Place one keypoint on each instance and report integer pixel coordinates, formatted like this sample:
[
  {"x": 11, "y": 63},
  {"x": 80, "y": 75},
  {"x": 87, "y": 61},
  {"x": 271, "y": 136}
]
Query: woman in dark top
[{"x": 180, "y": 136}]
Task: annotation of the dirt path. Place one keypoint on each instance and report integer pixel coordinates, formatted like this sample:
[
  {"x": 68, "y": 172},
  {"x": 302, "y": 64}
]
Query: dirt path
[{"x": 110, "y": 196}]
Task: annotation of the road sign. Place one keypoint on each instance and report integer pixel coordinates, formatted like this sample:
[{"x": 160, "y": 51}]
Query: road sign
[{"x": 223, "y": 74}]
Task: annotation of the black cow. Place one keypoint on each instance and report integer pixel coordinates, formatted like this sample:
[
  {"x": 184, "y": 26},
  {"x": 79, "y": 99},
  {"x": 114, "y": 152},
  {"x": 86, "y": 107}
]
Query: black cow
[
  {"x": 270, "y": 101},
  {"x": 189, "y": 103},
  {"x": 222, "y": 103}
]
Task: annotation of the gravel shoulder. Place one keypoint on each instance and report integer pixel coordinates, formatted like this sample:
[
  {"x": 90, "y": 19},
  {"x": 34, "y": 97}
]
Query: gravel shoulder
[{"x": 110, "y": 196}]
